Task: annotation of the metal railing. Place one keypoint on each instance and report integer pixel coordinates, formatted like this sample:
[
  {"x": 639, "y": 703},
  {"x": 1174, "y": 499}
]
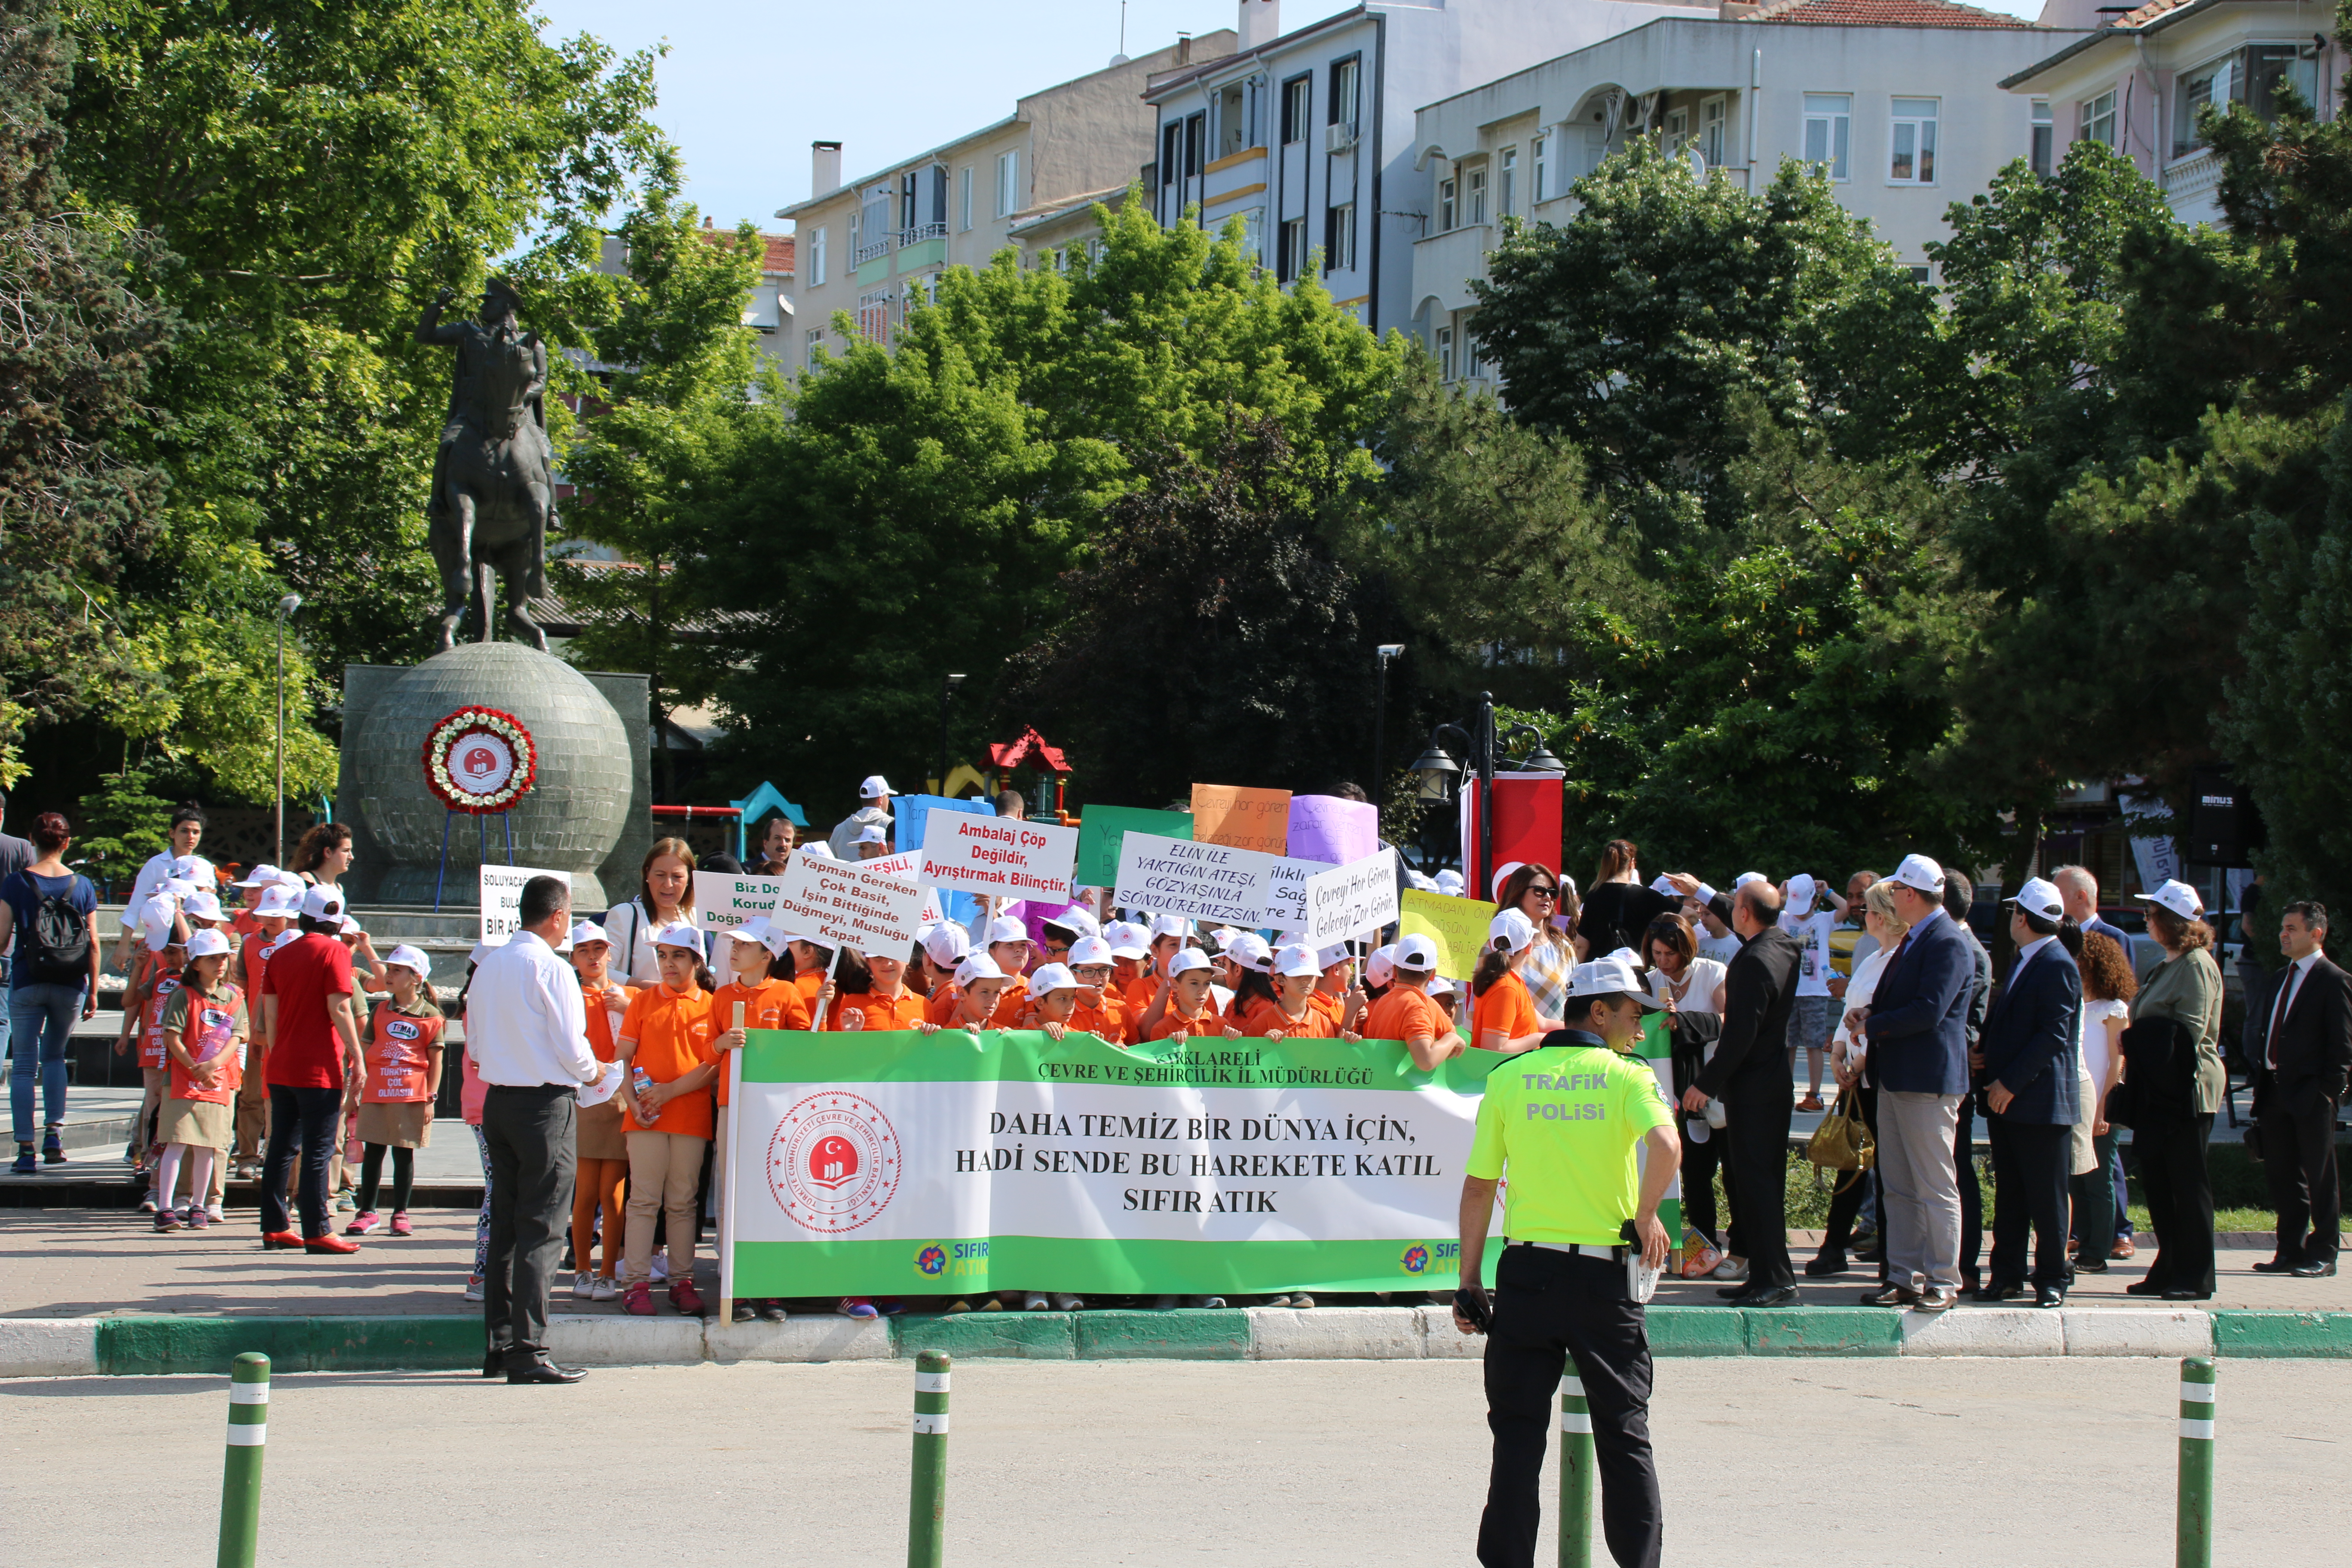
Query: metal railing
[{"x": 921, "y": 232}]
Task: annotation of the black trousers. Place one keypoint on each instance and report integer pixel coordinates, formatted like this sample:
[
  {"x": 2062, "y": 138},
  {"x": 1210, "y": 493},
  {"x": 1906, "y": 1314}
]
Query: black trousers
[
  {"x": 1845, "y": 1203},
  {"x": 2029, "y": 1190},
  {"x": 1551, "y": 1308},
  {"x": 1964, "y": 1167},
  {"x": 530, "y": 1134},
  {"x": 2299, "y": 1162},
  {"x": 302, "y": 1121},
  {"x": 1700, "y": 1163},
  {"x": 1759, "y": 1105},
  {"x": 2171, "y": 1152}
]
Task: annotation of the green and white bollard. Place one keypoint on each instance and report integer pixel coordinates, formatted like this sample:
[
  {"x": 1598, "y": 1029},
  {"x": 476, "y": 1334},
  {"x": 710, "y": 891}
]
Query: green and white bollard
[
  {"x": 2193, "y": 1532},
  {"x": 1575, "y": 1473},
  {"x": 249, "y": 1428},
  {"x": 926, "y": 1503}
]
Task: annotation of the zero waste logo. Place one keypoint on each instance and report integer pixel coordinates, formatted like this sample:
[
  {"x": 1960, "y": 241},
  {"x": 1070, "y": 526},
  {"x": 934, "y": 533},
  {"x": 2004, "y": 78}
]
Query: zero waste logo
[
  {"x": 1415, "y": 1259},
  {"x": 933, "y": 1261}
]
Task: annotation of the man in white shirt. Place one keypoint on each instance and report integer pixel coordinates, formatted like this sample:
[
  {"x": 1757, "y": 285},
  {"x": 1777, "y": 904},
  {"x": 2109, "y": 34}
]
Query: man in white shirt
[
  {"x": 180, "y": 861},
  {"x": 526, "y": 1032}
]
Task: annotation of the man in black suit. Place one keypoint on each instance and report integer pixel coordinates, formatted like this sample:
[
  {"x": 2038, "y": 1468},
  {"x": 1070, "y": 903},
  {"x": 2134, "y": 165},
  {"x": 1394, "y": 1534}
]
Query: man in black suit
[
  {"x": 2033, "y": 1094},
  {"x": 1750, "y": 1075},
  {"x": 2299, "y": 1081},
  {"x": 1959, "y": 895}
]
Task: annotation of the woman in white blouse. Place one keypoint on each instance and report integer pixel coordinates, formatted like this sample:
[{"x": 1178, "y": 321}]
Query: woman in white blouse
[{"x": 1849, "y": 1060}]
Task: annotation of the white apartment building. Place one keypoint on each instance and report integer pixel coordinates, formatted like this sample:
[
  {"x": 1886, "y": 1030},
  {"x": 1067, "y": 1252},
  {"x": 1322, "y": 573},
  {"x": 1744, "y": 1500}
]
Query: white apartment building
[
  {"x": 1307, "y": 137},
  {"x": 861, "y": 247},
  {"x": 1898, "y": 100},
  {"x": 2138, "y": 82}
]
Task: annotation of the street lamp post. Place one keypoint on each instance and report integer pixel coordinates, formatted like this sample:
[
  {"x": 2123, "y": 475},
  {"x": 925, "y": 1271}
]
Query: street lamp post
[
  {"x": 1438, "y": 771},
  {"x": 1384, "y": 652},
  {"x": 286, "y": 607},
  {"x": 947, "y": 689}
]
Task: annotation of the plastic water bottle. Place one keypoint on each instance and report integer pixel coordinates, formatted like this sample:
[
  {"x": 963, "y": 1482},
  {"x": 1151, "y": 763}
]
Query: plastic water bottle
[{"x": 642, "y": 1083}]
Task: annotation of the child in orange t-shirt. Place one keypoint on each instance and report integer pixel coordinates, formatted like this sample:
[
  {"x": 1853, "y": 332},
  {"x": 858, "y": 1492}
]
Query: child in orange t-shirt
[
  {"x": 1184, "y": 1001},
  {"x": 942, "y": 948},
  {"x": 1100, "y": 1011},
  {"x": 202, "y": 1029},
  {"x": 812, "y": 976},
  {"x": 1335, "y": 994},
  {"x": 1009, "y": 948},
  {"x": 1290, "y": 1015},
  {"x": 758, "y": 996},
  {"x": 883, "y": 1003},
  {"x": 1405, "y": 1011},
  {"x": 1052, "y": 999},
  {"x": 601, "y": 1140},
  {"x": 980, "y": 987},
  {"x": 666, "y": 1046},
  {"x": 1504, "y": 1016}
]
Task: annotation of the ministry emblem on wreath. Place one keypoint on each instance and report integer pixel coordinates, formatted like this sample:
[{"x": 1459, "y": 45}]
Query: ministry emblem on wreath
[
  {"x": 480, "y": 760},
  {"x": 833, "y": 1163}
]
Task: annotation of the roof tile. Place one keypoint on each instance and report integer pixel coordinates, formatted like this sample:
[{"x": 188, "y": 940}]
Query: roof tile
[{"x": 1890, "y": 14}]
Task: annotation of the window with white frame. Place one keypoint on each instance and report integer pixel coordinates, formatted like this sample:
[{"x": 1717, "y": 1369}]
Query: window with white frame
[
  {"x": 1829, "y": 130},
  {"x": 1291, "y": 249},
  {"x": 2041, "y": 148},
  {"x": 1294, "y": 119},
  {"x": 1677, "y": 130},
  {"x": 963, "y": 199},
  {"x": 1445, "y": 354},
  {"x": 873, "y": 225},
  {"x": 1539, "y": 168},
  {"x": 874, "y": 316},
  {"x": 1474, "y": 196},
  {"x": 1447, "y": 206},
  {"x": 1253, "y": 237},
  {"x": 816, "y": 257},
  {"x": 1008, "y": 183},
  {"x": 1911, "y": 155},
  {"x": 2097, "y": 122},
  {"x": 1506, "y": 191},
  {"x": 1339, "y": 238},
  {"x": 1713, "y": 125},
  {"x": 815, "y": 341},
  {"x": 1346, "y": 77},
  {"x": 2251, "y": 76}
]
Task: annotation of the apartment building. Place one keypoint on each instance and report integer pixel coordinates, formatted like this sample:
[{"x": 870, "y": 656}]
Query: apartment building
[
  {"x": 864, "y": 247},
  {"x": 1898, "y": 100},
  {"x": 1307, "y": 136},
  {"x": 2138, "y": 82}
]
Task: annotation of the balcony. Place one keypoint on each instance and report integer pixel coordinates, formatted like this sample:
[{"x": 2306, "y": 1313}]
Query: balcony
[
  {"x": 2191, "y": 185},
  {"x": 866, "y": 253},
  {"x": 1445, "y": 264},
  {"x": 921, "y": 232}
]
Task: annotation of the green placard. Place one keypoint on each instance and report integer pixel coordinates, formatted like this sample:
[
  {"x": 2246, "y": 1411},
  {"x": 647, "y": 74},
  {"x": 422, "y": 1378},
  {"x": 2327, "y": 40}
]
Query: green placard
[{"x": 1103, "y": 828}]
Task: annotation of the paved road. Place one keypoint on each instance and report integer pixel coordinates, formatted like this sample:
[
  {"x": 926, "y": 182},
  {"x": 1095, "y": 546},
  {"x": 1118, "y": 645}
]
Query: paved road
[{"x": 1289, "y": 1464}]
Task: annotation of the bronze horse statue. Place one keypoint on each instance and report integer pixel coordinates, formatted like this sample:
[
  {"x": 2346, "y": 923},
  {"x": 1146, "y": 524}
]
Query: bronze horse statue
[{"x": 493, "y": 495}]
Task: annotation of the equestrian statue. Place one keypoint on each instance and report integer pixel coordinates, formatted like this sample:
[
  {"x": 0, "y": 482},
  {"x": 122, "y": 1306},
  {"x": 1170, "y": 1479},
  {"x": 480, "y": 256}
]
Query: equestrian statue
[{"x": 493, "y": 495}]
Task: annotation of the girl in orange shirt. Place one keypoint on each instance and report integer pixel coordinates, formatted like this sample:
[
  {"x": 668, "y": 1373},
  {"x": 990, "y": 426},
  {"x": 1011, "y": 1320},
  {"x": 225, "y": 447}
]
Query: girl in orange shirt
[
  {"x": 666, "y": 1048},
  {"x": 1505, "y": 1018},
  {"x": 1253, "y": 993},
  {"x": 811, "y": 976},
  {"x": 1184, "y": 1001},
  {"x": 757, "y": 995},
  {"x": 1130, "y": 959},
  {"x": 203, "y": 1031},
  {"x": 1008, "y": 947},
  {"x": 882, "y": 1003},
  {"x": 602, "y": 1136},
  {"x": 1099, "y": 1011},
  {"x": 943, "y": 947}
]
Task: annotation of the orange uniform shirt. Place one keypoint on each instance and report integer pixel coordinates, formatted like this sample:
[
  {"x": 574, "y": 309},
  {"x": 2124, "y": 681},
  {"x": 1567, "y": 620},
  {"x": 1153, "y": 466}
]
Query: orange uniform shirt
[
  {"x": 1332, "y": 1007},
  {"x": 1404, "y": 1012},
  {"x": 773, "y": 1005},
  {"x": 1267, "y": 1017},
  {"x": 673, "y": 1031},
  {"x": 1010, "y": 1002},
  {"x": 602, "y": 1003},
  {"x": 1506, "y": 1008},
  {"x": 1143, "y": 990},
  {"x": 880, "y": 1015},
  {"x": 1111, "y": 1020},
  {"x": 1203, "y": 1022}
]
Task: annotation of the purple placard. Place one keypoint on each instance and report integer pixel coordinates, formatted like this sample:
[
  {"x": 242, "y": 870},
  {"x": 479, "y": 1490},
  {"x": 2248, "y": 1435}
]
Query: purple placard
[{"x": 1325, "y": 828}]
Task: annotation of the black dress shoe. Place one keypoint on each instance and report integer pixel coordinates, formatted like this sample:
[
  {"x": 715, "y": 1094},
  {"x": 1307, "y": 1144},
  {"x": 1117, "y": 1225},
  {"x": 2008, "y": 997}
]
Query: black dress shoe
[
  {"x": 494, "y": 1363},
  {"x": 545, "y": 1372},
  {"x": 1997, "y": 1291},
  {"x": 2144, "y": 1287},
  {"x": 2049, "y": 1296},
  {"x": 2277, "y": 1266},
  {"x": 2314, "y": 1270},
  {"x": 2189, "y": 1295},
  {"x": 1767, "y": 1296},
  {"x": 1825, "y": 1264},
  {"x": 1890, "y": 1296},
  {"x": 2090, "y": 1265},
  {"x": 1728, "y": 1291}
]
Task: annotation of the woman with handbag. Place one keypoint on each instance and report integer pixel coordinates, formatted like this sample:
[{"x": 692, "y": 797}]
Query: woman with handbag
[
  {"x": 2169, "y": 1129},
  {"x": 1858, "y": 1094}
]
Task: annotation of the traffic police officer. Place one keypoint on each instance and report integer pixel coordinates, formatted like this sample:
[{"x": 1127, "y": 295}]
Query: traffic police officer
[{"x": 1565, "y": 1120}]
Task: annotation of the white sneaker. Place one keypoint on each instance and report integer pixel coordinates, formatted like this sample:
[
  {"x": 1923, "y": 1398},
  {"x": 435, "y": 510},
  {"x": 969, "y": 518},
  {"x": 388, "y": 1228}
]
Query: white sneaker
[
  {"x": 147, "y": 1204},
  {"x": 1035, "y": 1301},
  {"x": 584, "y": 1287},
  {"x": 473, "y": 1287},
  {"x": 214, "y": 1210},
  {"x": 1204, "y": 1301},
  {"x": 661, "y": 1268},
  {"x": 607, "y": 1289},
  {"x": 1731, "y": 1268}
]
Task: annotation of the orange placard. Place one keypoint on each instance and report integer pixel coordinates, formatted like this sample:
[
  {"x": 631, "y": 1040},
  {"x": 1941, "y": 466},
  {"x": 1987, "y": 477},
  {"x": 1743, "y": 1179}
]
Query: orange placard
[{"x": 1242, "y": 819}]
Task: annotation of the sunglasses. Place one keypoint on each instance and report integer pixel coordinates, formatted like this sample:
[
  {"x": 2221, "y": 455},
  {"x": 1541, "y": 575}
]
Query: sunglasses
[{"x": 1545, "y": 892}]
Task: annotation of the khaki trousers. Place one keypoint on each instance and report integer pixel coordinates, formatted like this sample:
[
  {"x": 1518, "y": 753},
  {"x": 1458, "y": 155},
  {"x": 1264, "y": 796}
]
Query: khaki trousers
[{"x": 665, "y": 1170}]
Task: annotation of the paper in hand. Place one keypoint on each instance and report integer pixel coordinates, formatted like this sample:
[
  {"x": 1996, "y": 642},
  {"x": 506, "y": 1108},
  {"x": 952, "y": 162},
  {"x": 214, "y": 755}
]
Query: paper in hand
[{"x": 604, "y": 1087}]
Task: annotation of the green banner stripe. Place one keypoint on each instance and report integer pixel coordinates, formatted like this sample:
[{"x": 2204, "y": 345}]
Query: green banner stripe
[
  {"x": 949, "y": 1267},
  {"x": 956, "y": 1055}
]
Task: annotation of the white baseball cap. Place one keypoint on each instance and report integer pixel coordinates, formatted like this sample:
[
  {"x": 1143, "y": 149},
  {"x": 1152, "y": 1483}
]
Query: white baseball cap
[
  {"x": 1076, "y": 921},
  {"x": 1186, "y": 960},
  {"x": 1170, "y": 925},
  {"x": 1128, "y": 940},
  {"x": 277, "y": 900},
  {"x": 177, "y": 888},
  {"x": 410, "y": 957},
  {"x": 1659, "y": 884},
  {"x": 1608, "y": 977},
  {"x": 876, "y": 787},
  {"x": 1440, "y": 987},
  {"x": 1379, "y": 967},
  {"x": 819, "y": 848},
  {"x": 320, "y": 901},
  {"x": 1511, "y": 930},
  {"x": 263, "y": 876},
  {"x": 1332, "y": 957},
  {"x": 677, "y": 933},
  {"x": 1747, "y": 877},
  {"x": 1802, "y": 892},
  {"x": 351, "y": 927},
  {"x": 2180, "y": 898},
  {"x": 1297, "y": 962},
  {"x": 758, "y": 929},
  {"x": 587, "y": 932},
  {"x": 871, "y": 834},
  {"x": 1418, "y": 882},
  {"x": 1250, "y": 950},
  {"x": 1087, "y": 950},
  {"x": 1920, "y": 875},
  {"x": 1049, "y": 977},
  {"x": 1449, "y": 882},
  {"x": 206, "y": 945},
  {"x": 190, "y": 869},
  {"x": 1006, "y": 928},
  {"x": 202, "y": 906},
  {"x": 2041, "y": 898},
  {"x": 947, "y": 944},
  {"x": 1416, "y": 953},
  {"x": 979, "y": 966}
]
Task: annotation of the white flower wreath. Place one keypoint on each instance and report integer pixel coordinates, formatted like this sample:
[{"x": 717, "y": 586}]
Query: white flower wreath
[{"x": 476, "y": 723}]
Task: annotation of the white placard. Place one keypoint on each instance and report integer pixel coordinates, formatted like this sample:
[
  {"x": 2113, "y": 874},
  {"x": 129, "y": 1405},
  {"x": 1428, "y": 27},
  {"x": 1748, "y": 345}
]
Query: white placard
[
  {"x": 908, "y": 864},
  {"x": 1351, "y": 899},
  {"x": 1203, "y": 881},
  {"x": 724, "y": 903},
  {"x": 838, "y": 902},
  {"x": 999, "y": 856},
  {"x": 1286, "y": 894},
  {"x": 503, "y": 900}
]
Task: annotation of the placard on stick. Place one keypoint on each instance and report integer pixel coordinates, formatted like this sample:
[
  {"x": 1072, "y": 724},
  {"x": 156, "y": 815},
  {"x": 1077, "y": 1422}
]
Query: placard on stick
[
  {"x": 839, "y": 903},
  {"x": 1337, "y": 832},
  {"x": 724, "y": 903},
  {"x": 1103, "y": 827},
  {"x": 503, "y": 900},
  {"x": 1001, "y": 857},
  {"x": 1256, "y": 819},
  {"x": 1458, "y": 927},
  {"x": 1351, "y": 899},
  {"x": 1203, "y": 881}
]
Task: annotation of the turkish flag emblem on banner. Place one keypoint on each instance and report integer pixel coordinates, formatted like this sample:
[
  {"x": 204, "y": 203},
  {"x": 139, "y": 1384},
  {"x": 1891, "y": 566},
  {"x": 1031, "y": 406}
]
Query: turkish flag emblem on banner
[{"x": 1527, "y": 826}]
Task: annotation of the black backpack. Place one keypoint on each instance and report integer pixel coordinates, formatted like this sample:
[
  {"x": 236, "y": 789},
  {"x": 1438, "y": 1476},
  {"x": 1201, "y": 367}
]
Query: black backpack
[{"x": 53, "y": 948}]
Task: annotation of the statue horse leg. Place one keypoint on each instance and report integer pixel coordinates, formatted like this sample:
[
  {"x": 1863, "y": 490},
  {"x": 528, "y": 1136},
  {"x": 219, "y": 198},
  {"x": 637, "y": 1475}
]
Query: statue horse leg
[
  {"x": 452, "y": 538},
  {"x": 514, "y": 565}
]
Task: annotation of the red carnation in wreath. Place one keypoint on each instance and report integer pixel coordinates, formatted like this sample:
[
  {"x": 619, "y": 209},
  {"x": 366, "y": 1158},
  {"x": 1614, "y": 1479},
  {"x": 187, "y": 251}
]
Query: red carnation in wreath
[{"x": 480, "y": 759}]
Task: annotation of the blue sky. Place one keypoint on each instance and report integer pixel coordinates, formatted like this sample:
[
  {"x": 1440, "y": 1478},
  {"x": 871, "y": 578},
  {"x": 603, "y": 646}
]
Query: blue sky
[{"x": 746, "y": 87}]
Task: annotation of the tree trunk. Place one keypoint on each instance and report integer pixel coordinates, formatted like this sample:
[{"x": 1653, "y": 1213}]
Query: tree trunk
[{"x": 2014, "y": 872}]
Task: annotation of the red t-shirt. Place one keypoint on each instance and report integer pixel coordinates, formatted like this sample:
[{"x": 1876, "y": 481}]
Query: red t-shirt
[{"x": 305, "y": 1052}]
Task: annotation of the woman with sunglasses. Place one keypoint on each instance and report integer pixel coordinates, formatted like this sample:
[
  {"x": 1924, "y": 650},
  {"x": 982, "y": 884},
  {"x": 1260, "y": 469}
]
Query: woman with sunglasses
[{"x": 1534, "y": 892}]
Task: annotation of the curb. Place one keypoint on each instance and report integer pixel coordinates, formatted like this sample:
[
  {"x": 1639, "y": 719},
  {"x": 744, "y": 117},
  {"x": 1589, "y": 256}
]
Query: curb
[{"x": 163, "y": 1346}]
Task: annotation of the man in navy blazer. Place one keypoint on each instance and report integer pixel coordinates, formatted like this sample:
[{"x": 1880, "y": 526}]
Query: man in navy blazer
[
  {"x": 1916, "y": 1031},
  {"x": 2033, "y": 1080}
]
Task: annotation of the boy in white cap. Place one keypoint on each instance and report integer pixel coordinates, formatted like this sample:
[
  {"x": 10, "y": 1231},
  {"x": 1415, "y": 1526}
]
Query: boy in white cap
[
  {"x": 874, "y": 797},
  {"x": 1405, "y": 1011},
  {"x": 1053, "y": 1000},
  {"x": 1100, "y": 1010},
  {"x": 1182, "y": 1009},
  {"x": 979, "y": 985},
  {"x": 1336, "y": 995},
  {"x": 1169, "y": 934},
  {"x": 1814, "y": 1016},
  {"x": 872, "y": 842}
]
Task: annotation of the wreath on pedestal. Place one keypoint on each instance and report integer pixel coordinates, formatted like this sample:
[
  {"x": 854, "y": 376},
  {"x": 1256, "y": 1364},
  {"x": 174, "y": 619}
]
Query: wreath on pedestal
[{"x": 480, "y": 759}]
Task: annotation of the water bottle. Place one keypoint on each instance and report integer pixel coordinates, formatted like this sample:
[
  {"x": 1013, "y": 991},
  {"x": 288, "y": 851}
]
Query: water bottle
[{"x": 642, "y": 1083}]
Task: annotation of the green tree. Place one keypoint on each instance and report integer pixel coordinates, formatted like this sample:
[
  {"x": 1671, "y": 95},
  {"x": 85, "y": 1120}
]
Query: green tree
[{"x": 677, "y": 411}]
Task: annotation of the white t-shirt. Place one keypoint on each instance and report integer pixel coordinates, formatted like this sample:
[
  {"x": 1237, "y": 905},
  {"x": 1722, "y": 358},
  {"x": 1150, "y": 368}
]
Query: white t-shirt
[
  {"x": 1721, "y": 949},
  {"x": 2092, "y": 1023},
  {"x": 1812, "y": 932},
  {"x": 151, "y": 878}
]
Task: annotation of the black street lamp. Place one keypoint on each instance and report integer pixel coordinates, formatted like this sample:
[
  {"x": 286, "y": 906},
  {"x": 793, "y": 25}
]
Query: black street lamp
[
  {"x": 1383, "y": 652},
  {"x": 1480, "y": 746}
]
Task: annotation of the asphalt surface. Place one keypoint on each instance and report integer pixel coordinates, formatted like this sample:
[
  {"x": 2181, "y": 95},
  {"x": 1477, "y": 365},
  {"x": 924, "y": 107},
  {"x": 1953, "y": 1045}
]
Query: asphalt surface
[{"x": 1288, "y": 1465}]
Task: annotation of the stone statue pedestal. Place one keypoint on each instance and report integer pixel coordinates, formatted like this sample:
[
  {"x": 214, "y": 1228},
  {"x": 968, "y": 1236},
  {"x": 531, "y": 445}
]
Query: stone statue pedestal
[{"x": 588, "y": 813}]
